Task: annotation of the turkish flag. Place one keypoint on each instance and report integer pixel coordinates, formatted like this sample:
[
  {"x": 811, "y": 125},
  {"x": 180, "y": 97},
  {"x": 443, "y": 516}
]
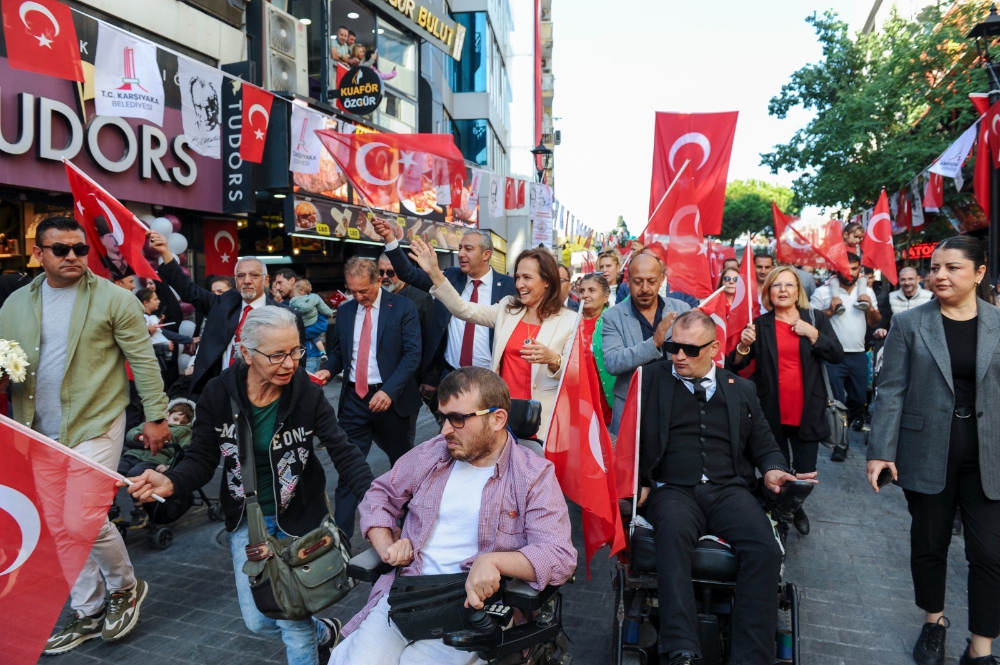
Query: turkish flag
[
  {"x": 375, "y": 163},
  {"x": 745, "y": 307},
  {"x": 114, "y": 234},
  {"x": 990, "y": 125},
  {"x": 718, "y": 253},
  {"x": 256, "y": 118},
  {"x": 627, "y": 444},
  {"x": 904, "y": 214},
  {"x": 981, "y": 173},
  {"x": 934, "y": 191},
  {"x": 510, "y": 195},
  {"x": 41, "y": 38},
  {"x": 819, "y": 243},
  {"x": 717, "y": 307},
  {"x": 520, "y": 194},
  {"x": 877, "y": 250},
  {"x": 53, "y": 503},
  {"x": 705, "y": 142},
  {"x": 579, "y": 446},
  {"x": 222, "y": 246},
  {"x": 681, "y": 243}
]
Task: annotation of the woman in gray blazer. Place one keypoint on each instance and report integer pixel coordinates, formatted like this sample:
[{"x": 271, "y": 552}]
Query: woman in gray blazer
[{"x": 940, "y": 441}]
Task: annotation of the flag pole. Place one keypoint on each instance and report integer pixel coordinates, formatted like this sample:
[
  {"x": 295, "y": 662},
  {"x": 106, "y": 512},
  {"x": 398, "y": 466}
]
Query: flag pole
[
  {"x": 66, "y": 450},
  {"x": 664, "y": 197},
  {"x": 746, "y": 255},
  {"x": 710, "y": 297}
]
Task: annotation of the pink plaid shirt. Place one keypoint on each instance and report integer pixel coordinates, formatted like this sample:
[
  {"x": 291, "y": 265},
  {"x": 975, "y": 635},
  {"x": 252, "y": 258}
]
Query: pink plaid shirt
[{"x": 522, "y": 510}]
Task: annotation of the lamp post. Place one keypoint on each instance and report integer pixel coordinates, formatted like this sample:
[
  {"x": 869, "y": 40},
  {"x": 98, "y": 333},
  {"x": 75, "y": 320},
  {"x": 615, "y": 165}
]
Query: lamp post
[
  {"x": 983, "y": 34},
  {"x": 543, "y": 160}
]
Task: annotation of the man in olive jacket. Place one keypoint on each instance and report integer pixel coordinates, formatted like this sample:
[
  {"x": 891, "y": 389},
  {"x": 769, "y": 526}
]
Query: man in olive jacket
[{"x": 78, "y": 330}]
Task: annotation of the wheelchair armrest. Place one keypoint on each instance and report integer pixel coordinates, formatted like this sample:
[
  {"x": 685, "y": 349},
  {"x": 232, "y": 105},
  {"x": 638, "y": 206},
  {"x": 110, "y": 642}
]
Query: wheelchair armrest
[
  {"x": 367, "y": 566},
  {"x": 521, "y": 595}
]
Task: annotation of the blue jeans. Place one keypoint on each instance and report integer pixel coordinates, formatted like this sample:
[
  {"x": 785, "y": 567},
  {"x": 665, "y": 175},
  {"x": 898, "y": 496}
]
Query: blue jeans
[
  {"x": 849, "y": 381},
  {"x": 301, "y": 638}
]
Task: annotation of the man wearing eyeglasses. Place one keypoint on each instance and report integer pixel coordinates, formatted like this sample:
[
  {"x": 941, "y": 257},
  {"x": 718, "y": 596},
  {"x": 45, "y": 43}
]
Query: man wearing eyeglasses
[
  {"x": 477, "y": 502},
  {"x": 702, "y": 438},
  {"x": 224, "y": 312},
  {"x": 78, "y": 331}
]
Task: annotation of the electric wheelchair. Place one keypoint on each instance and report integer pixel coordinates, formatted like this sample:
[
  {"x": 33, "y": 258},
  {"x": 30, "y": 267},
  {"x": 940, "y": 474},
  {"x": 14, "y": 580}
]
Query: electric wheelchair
[
  {"x": 714, "y": 568},
  {"x": 540, "y": 639}
]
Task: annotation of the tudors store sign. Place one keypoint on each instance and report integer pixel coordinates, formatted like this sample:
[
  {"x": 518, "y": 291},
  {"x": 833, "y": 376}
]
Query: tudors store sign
[{"x": 360, "y": 90}]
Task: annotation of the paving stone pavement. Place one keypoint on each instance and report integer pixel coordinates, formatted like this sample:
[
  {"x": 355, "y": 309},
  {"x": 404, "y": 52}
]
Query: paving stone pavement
[{"x": 852, "y": 572}]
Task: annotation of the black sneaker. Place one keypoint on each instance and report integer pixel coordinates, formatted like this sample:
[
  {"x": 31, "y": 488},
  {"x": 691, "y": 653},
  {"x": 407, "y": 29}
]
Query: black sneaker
[
  {"x": 929, "y": 649},
  {"x": 326, "y": 646},
  {"x": 984, "y": 660},
  {"x": 839, "y": 454}
]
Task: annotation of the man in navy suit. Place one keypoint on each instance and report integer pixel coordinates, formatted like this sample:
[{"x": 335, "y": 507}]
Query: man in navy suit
[
  {"x": 376, "y": 344},
  {"x": 455, "y": 342},
  {"x": 224, "y": 312}
]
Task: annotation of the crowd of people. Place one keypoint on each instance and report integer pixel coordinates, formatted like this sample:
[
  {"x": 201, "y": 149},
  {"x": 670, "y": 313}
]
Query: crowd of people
[{"x": 464, "y": 342}]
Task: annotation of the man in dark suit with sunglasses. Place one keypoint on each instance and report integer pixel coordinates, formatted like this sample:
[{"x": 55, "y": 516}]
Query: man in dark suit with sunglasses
[{"x": 701, "y": 439}]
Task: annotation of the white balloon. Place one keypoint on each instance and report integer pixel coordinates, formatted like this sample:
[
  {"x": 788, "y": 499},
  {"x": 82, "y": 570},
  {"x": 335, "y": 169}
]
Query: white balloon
[
  {"x": 147, "y": 218},
  {"x": 177, "y": 243},
  {"x": 183, "y": 361},
  {"x": 186, "y": 328},
  {"x": 162, "y": 226}
]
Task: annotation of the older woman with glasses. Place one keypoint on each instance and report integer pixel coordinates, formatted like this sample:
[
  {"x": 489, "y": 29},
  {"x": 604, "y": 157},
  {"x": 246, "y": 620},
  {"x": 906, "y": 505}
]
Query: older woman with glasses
[
  {"x": 286, "y": 412},
  {"x": 790, "y": 343}
]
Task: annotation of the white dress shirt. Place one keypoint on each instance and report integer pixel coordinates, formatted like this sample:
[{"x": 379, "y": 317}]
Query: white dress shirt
[
  {"x": 231, "y": 348},
  {"x": 481, "y": 353},
  {"x": 374, "y": 376}
]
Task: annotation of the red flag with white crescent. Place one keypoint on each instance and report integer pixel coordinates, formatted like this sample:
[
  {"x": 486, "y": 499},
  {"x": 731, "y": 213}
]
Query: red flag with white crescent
[
  {"x": 818, "y": 243},
  {"x": 520, "y": 193},
  {"x": 510, "y": 194},
  {"x": 375, "y": 164},
  {"x": 256, "y": 118},
  {"x": 681, "y": 243},
  {"x": 41, "y": 38},
  {"x": 579, "y": 446},
  {"x": 745, "y": 307},
  {"x": 934, "y": 191},
  {"x": 115, "y": 235},
  {"x": 717, "y": 307},
  {"x": 53, "y": 504},
  {"x": 222, "y": 246},
  {"x": 627, "y": 445},
  {"x": 877, "y": 250},
  {"x": 705, "y": 142},
  {"x": 981, "y": 173}
]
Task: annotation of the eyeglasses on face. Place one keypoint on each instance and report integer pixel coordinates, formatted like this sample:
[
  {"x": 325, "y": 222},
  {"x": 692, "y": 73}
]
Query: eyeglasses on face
[
  {"x": 457, "y": 420},
  {"x": 690, "y": 350},
  {"x": 387, "y": 273},
  {"x": 240, "y": 276},
  {"x": 61, "y": 249},
  {"x": 731, "y": 279},
  {"x": 278, "y": 358}
]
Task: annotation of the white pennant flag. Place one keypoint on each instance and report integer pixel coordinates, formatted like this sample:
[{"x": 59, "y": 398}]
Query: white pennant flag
[
  {"x": 127, "y": 80},
  {"x": 917, "y": 211},
  {"x": 496, "y": 190},
  {"x": 949, "y": 164},
  {"x": 539, "y": 201},
  {"x": 470, "y": 205},
  {"x": 201, "y": 106},
  {"x": 306, "y": 147}
]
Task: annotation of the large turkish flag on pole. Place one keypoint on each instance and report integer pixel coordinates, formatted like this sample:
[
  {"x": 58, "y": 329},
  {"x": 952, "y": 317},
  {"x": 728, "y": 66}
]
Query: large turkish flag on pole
[
  {"x": 222, "y": 246},
  {"x": 877, "y": 250},
  {"x": 53, "y": 503},
  {"x": 579, "y": 446},
  {"x": 819, "y": 244},
  {"x": 679, "y": 241},
  {"x": 375, "y": 163},
  {"x": 705, "y": 142},
  {"x": 115, "y": 235},
  {"x": 41, "y": 38}
]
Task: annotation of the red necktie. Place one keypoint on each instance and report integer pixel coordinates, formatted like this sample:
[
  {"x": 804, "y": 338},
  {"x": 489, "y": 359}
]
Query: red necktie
[
  {"x": 361, "y": 362},
  {"x": 469, "y": 339},
  {"x": 236, "y": 339}
]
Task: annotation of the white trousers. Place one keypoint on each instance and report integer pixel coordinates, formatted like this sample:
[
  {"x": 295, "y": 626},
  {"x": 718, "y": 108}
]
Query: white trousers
[{"x": 379, "y": 642}]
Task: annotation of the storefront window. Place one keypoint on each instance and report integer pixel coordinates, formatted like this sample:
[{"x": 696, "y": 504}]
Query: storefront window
[
  {"x": 397, "y": 114},
  {"x": 352, "y": 35},
  {"x": 397, "y": 59}
]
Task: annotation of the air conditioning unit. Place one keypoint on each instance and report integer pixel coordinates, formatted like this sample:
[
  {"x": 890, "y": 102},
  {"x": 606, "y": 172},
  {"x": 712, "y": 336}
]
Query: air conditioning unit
[
  {"x": 558, "y": 137},
  {"x": 286, "y": 53}
]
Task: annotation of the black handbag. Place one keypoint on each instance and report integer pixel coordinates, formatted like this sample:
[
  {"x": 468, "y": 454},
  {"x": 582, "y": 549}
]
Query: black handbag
[
  {"x": 839, "y": 436},
  {"x": 425, "y": 607},
  {"x": 290, "y": 578}
]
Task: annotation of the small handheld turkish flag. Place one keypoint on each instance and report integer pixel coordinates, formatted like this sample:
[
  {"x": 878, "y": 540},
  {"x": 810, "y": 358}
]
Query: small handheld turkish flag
[
  {"x": 41, "y": 38},
  {"x": 256, "y": 118},
  {"x": 113, "y": 232},
  {"x": 717, "y": 307},
  {"x": 876, "y": 248},
  {"x": 53, "y": 504}
]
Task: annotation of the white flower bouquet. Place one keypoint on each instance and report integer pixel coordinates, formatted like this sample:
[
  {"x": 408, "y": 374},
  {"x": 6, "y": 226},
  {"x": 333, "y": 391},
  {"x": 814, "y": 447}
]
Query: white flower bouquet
[{"x": 13, "y": 361}]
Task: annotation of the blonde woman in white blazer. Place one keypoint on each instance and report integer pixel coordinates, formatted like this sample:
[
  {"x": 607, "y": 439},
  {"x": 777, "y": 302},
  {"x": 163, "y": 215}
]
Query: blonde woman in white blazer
[{"x": 533, "y": 329}]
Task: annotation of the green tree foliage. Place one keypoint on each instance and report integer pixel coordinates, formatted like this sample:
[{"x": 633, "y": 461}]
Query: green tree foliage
[
  {"x": 886, "y": 104},
  {"x": 748, "y": 207}
]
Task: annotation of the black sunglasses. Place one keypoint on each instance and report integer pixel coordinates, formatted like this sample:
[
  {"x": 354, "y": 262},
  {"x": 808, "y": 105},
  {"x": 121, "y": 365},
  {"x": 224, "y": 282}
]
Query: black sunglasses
[
  {"x": 60, "y": 249},
  {"x": 457, "y": 420},
  {"x": 387, "y": 273},
  {"x": 730, "y": 279},
  {"x": 690, "y": 350}
]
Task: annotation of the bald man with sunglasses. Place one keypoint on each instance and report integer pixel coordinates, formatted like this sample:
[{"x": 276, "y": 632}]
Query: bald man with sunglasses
[{"x": 702, "y": 438}]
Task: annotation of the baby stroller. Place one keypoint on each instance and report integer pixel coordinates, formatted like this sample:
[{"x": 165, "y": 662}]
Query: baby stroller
[{"x": 158, "y": 534}]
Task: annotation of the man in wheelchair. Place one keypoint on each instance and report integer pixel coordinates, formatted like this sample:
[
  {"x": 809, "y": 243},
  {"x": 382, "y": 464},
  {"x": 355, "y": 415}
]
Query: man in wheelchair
[
  {"x": 477, "y": 508},
  {"x": 702, "y": 434}
]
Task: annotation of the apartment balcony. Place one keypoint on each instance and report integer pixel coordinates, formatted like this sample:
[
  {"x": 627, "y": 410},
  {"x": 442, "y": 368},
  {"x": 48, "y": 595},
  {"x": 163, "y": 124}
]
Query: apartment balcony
[
  {"x": 548, "y": 88},
  {"x": 546, "y": 39}
]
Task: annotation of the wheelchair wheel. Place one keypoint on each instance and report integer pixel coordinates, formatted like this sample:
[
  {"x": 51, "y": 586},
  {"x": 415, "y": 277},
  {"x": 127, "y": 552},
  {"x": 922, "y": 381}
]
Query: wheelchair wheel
[{"x": 160, "y": 538}]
